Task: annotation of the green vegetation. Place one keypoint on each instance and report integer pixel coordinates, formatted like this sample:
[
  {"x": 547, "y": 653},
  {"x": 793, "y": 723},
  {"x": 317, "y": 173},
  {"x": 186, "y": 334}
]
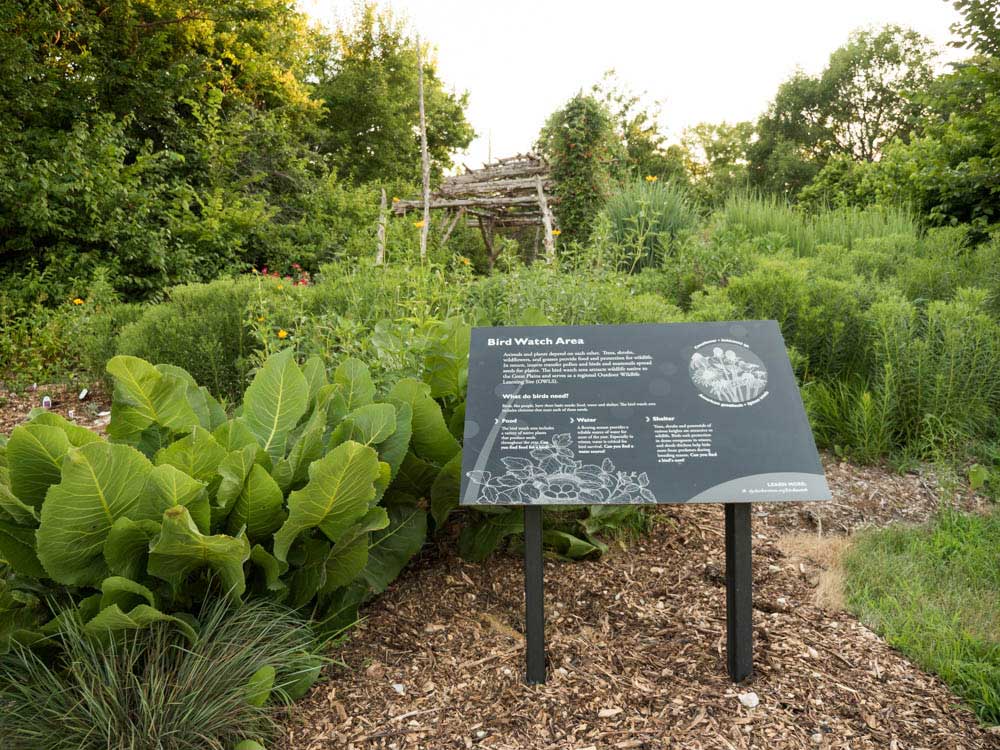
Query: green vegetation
[
  {"x": 197, "y": 185},
  {"x": 934, "y": 593},
  {"x": 154, "y": 688}
]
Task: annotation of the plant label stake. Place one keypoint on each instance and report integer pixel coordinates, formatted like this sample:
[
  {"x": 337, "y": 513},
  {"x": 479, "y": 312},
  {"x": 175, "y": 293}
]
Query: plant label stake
[{"x": 634, "y": 415}]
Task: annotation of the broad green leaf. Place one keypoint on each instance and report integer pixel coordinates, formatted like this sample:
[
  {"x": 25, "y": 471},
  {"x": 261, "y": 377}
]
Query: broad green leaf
[
  {"x": 308, "y": 565},
  {"x": 12, "y": 509},
  {"x": 446, "y": 366},
  {"x": 415, "y": 476},
  {"x": 331, "y": 398},
  {"x": 478, "y": 540},
  {"x": 18, "y": 613},
  {"x": 180, "y": 549},
  {"x": 308, "y": 447},
  {"x": 127, "y": 549},
  {"x": 393, "y": 449},
  {"x": 234, "y": 470},
  {"x": 392, "y": 547},
  {"x": 456, "y": 422},
  {"x": 569, "y": 545},
  {"x": 283, "y": 474},
  {"x": 260, "y": 685},
  {"x": 125, "y": 593},
  {"x": 100, "y": 483},
  {"x": 258, "y": 507},
  {"x": 35, "y": 455},
  {"x": 432, "y": 440},
  {"x": 367, "y": 425},
  {"x": 349, "y": 556},
  {"x": 308, "y": 671},
  {"x": 341, "y": 486},
  {"x": 77, "y": 435},
  {"x": 340, "y": 611},
  {"x": 169, "y": 486},
  {"x": 112, "y": 619},
  {"x": 249, "y": 745},
  {"x": 314, "y": 372},
  {"x": 196, "y": 454},
  {"x": 445, "y": 490},
  {"x": 356, "y": 381},
  {"x": 17, "y": 548},
  {"x": 144, "y": 396},
  {"x": 275, "y": 401},
  {"x": 234, "y": 435},
  {"x": 272, "y": 568}
]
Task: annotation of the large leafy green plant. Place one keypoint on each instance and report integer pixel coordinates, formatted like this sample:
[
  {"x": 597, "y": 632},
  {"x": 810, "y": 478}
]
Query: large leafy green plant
[{"x": 309, "y": 496}]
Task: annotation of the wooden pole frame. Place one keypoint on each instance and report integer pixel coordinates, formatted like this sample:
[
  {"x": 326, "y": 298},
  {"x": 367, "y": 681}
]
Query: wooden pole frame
[{"x": 425, "y": 163}]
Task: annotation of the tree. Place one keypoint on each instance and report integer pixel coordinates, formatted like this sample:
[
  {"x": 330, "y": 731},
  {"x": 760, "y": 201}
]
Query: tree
[
  {"x": 949, "y": 171},
  {"x": 637, "y": 125},
  {"x": 370, "y": 125},
  {"x": 863, "y": 100},
  {"x": 580, "y": 142},
  {"x": 165, "y": 140},
  {"x": 717, "y": 158}
]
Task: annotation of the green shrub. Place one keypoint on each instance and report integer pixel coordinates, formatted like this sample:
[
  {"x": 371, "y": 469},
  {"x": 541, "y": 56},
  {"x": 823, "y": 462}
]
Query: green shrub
[
  {"x": 940, "y": 364},
  {"x": 153, "y": 688},
  {"x": 851, "y": 418},
  {"x": 646, "y": 220},
  {"x": 821, "y": 317},
  {"x": 201, "y": 328}
]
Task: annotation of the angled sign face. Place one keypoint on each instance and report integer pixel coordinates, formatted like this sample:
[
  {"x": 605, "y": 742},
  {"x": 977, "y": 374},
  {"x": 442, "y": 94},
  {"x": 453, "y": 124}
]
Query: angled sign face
[{"x": 635, "y": 414}]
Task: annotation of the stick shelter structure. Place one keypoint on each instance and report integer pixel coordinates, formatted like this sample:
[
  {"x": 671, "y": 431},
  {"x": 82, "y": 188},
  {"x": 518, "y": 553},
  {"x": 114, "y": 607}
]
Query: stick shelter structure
[{"x": 510, "y": 192}]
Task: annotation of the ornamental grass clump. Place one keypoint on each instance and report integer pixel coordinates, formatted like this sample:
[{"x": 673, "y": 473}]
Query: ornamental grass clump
[
  {"x": 154, "y": 688},
  {"x": 646, "y": 220}
]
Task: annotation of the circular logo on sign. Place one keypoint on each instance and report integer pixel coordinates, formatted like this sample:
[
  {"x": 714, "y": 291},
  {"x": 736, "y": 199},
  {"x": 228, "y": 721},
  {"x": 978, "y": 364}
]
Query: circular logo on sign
[{"x": 728, "y": 373}]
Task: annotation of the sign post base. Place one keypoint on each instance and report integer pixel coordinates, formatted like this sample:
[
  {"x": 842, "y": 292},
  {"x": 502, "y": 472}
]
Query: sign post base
[
  {"x": 739, "y": 593},
  {"x": 534, "y": 597}
]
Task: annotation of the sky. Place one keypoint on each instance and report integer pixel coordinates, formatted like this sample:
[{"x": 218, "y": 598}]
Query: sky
[{"x": 704, "y": 60}]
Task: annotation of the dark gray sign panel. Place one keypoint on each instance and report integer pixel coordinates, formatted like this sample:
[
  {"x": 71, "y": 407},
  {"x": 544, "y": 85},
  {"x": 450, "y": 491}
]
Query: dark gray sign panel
[{"x": 630, "y": 414}]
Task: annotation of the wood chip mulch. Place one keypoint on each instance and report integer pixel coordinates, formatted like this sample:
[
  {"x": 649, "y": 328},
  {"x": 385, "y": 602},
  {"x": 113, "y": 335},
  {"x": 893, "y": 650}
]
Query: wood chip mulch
[
  {"x": 93, "y": 412},
  {"x": 636, "y": 649}
]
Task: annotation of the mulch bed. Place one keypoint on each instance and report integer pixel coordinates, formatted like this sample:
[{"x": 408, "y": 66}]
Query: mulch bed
[
  {"x": 636, "y": 649},
  {"x": 92, "y": 412}
]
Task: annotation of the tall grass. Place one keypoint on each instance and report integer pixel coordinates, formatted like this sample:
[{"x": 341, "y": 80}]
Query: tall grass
[
  {"x": 152, "y": 690},
  {"x": 768, "y": 215},
  {"x": 934, "y": 593},
  {"x": 645, "y": 221}
]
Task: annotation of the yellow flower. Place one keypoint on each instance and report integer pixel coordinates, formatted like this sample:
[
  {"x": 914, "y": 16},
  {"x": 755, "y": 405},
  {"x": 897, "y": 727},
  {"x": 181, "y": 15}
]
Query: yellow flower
[
  {"x": 77, "y": 301},
  {"x": 260, "y": 318},
  {"x": 651, "y": 178},
  {"x": 282, "y": 334},
  {"x": 556, "y": 232},
  {"x": 419, "y": 224},
  {"x": 465, "y": 261},
  {"x": 395, "y": 199},
  {"x": 281, "y": 286}
]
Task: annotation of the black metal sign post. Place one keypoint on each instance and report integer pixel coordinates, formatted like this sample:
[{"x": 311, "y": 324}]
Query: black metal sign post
[
  {"x": 534, "y": 597},
  {"x": 739, "y": 593}
]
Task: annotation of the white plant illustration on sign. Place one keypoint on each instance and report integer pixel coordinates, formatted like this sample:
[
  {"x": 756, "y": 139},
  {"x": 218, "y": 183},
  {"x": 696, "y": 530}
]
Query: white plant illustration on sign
[
  {"x": 553, "y": 476},
  {"x": 727, "y": 377}
]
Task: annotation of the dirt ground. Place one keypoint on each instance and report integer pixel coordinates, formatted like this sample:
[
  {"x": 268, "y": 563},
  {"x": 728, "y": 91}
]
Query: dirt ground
[
  {"x": 636, "y": 648},
  {"x": 93, "y": 411}
]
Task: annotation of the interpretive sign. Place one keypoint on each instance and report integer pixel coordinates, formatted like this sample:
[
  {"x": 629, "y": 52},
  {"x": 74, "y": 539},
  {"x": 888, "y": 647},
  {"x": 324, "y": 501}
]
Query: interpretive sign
[
  {"x": 672, "y": 413},
  {"x": 637, "y": 414}
]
